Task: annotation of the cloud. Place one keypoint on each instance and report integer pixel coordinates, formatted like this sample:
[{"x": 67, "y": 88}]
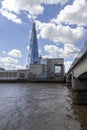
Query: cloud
[
  {"x": 28, "y": 47},
  {"x": 67, "y": 65},
  {"x": 8, "y": 61},
  {"x": 54, "y": 1},
  {"x": 60, "y": 33},
  {"x": 18, "y": 67},
  {"x": 69, "y": 50},
  {"x": 53, "y": 51},
  {"x": 10, "y": 16},
  {"x": 31, "y": 7},
  {"x": 15, "y": 53},
  {"x": 74, "y": 14}
]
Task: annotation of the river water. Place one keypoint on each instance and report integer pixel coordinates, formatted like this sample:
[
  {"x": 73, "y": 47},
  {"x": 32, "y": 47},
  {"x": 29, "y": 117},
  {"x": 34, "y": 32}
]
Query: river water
[{"x": 40, "y": 106}]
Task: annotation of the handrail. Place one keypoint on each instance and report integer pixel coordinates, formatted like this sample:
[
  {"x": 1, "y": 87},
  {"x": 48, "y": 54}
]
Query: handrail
[{"x": 81, "y": 53}]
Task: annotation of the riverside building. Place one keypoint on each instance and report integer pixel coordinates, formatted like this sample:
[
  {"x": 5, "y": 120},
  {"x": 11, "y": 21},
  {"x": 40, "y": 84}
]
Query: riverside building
[{"x": 36, "y": 69}]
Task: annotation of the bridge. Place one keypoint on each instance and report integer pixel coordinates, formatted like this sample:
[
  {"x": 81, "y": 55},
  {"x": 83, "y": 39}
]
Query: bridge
[{"x": 77, "y": 73}]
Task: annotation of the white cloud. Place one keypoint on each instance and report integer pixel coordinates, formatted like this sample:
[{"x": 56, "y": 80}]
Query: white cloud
[
  {"x": 74, "y": 14},
  {"x": 67, "y": 65},
  {"x": 54, "y": 1},
  {"x": 10, "y": 16},
  {"x": 53, "y": 51},
  {"x": 59, "y": 33},
  {"x": 8, "y": 61},
  {"x": 69, "y": 50},
  {"x": 15, "y": 53},
  {"x": 28, "y": 47},
  {"x": 32, "y": 7},
  {"x": 18, "y": 67}
]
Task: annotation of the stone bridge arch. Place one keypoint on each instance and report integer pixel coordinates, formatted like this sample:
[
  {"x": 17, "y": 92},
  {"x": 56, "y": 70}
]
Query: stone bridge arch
[{"x": 83, "y": 76}]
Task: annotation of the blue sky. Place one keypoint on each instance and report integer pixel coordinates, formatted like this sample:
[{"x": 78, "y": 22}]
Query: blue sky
[{"x": 61, "y": 30}]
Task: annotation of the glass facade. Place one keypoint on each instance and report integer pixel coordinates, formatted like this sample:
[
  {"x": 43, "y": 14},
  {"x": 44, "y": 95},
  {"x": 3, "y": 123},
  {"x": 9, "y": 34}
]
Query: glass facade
[{"x": 33, "y": 50}]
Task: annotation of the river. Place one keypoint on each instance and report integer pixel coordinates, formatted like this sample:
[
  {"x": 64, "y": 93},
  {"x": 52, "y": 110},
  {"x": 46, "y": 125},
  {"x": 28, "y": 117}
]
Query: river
[{"x": 40, "y": 106}]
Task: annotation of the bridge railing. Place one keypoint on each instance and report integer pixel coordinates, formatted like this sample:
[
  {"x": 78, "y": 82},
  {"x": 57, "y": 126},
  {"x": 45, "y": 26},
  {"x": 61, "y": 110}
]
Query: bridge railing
[{"x": 81, "y": 53}]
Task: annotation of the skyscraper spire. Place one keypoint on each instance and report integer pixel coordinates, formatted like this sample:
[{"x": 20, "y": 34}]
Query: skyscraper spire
[{"x": 33, "y": 51}]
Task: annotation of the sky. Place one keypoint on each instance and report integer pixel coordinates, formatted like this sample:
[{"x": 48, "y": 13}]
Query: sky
[{"x": 61, "y": 27}]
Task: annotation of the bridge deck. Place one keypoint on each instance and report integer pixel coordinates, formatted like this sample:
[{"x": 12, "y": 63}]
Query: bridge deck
[{"x": 80, "y": 55}]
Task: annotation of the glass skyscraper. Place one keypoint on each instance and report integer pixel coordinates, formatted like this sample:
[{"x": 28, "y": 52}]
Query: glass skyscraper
[{"x": 33, "y": 50}]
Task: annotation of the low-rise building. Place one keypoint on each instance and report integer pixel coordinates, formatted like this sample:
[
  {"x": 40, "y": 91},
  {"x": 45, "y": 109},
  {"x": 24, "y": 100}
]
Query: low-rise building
[
  {"x": 53, "y": 69},
  {"x": 13, "y": 74}
]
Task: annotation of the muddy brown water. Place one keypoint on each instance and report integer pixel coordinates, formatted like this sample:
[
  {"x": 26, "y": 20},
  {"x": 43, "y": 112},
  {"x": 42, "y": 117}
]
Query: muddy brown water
[{"x": 40, "y": 106}]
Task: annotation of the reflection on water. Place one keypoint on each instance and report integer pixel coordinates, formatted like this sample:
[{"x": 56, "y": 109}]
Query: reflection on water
[
  {"x": 40, "y": 107},
  {"x": 80, "y": 112},
  {"x": 79, "y": 97}
]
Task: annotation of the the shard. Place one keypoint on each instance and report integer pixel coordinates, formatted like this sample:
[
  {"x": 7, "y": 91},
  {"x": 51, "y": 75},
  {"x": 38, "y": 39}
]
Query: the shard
[{"x": 33, "y": 50}]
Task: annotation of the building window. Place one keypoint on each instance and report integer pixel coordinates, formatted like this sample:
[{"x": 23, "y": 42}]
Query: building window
[
  {"x": 57, "y": 70},
  {"x": 8, "y": 74},
  {"x": 22, "y": 75}
]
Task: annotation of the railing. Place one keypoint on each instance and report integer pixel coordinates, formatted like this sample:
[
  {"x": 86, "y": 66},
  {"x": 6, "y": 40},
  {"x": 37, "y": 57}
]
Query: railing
[{"x": 81, "y": 53}]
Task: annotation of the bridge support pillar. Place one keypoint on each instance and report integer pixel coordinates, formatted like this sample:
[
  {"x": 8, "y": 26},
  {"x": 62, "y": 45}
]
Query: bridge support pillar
[
  {"x": 79, "y": 85},
  {"x": 79, "y": 92}
]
